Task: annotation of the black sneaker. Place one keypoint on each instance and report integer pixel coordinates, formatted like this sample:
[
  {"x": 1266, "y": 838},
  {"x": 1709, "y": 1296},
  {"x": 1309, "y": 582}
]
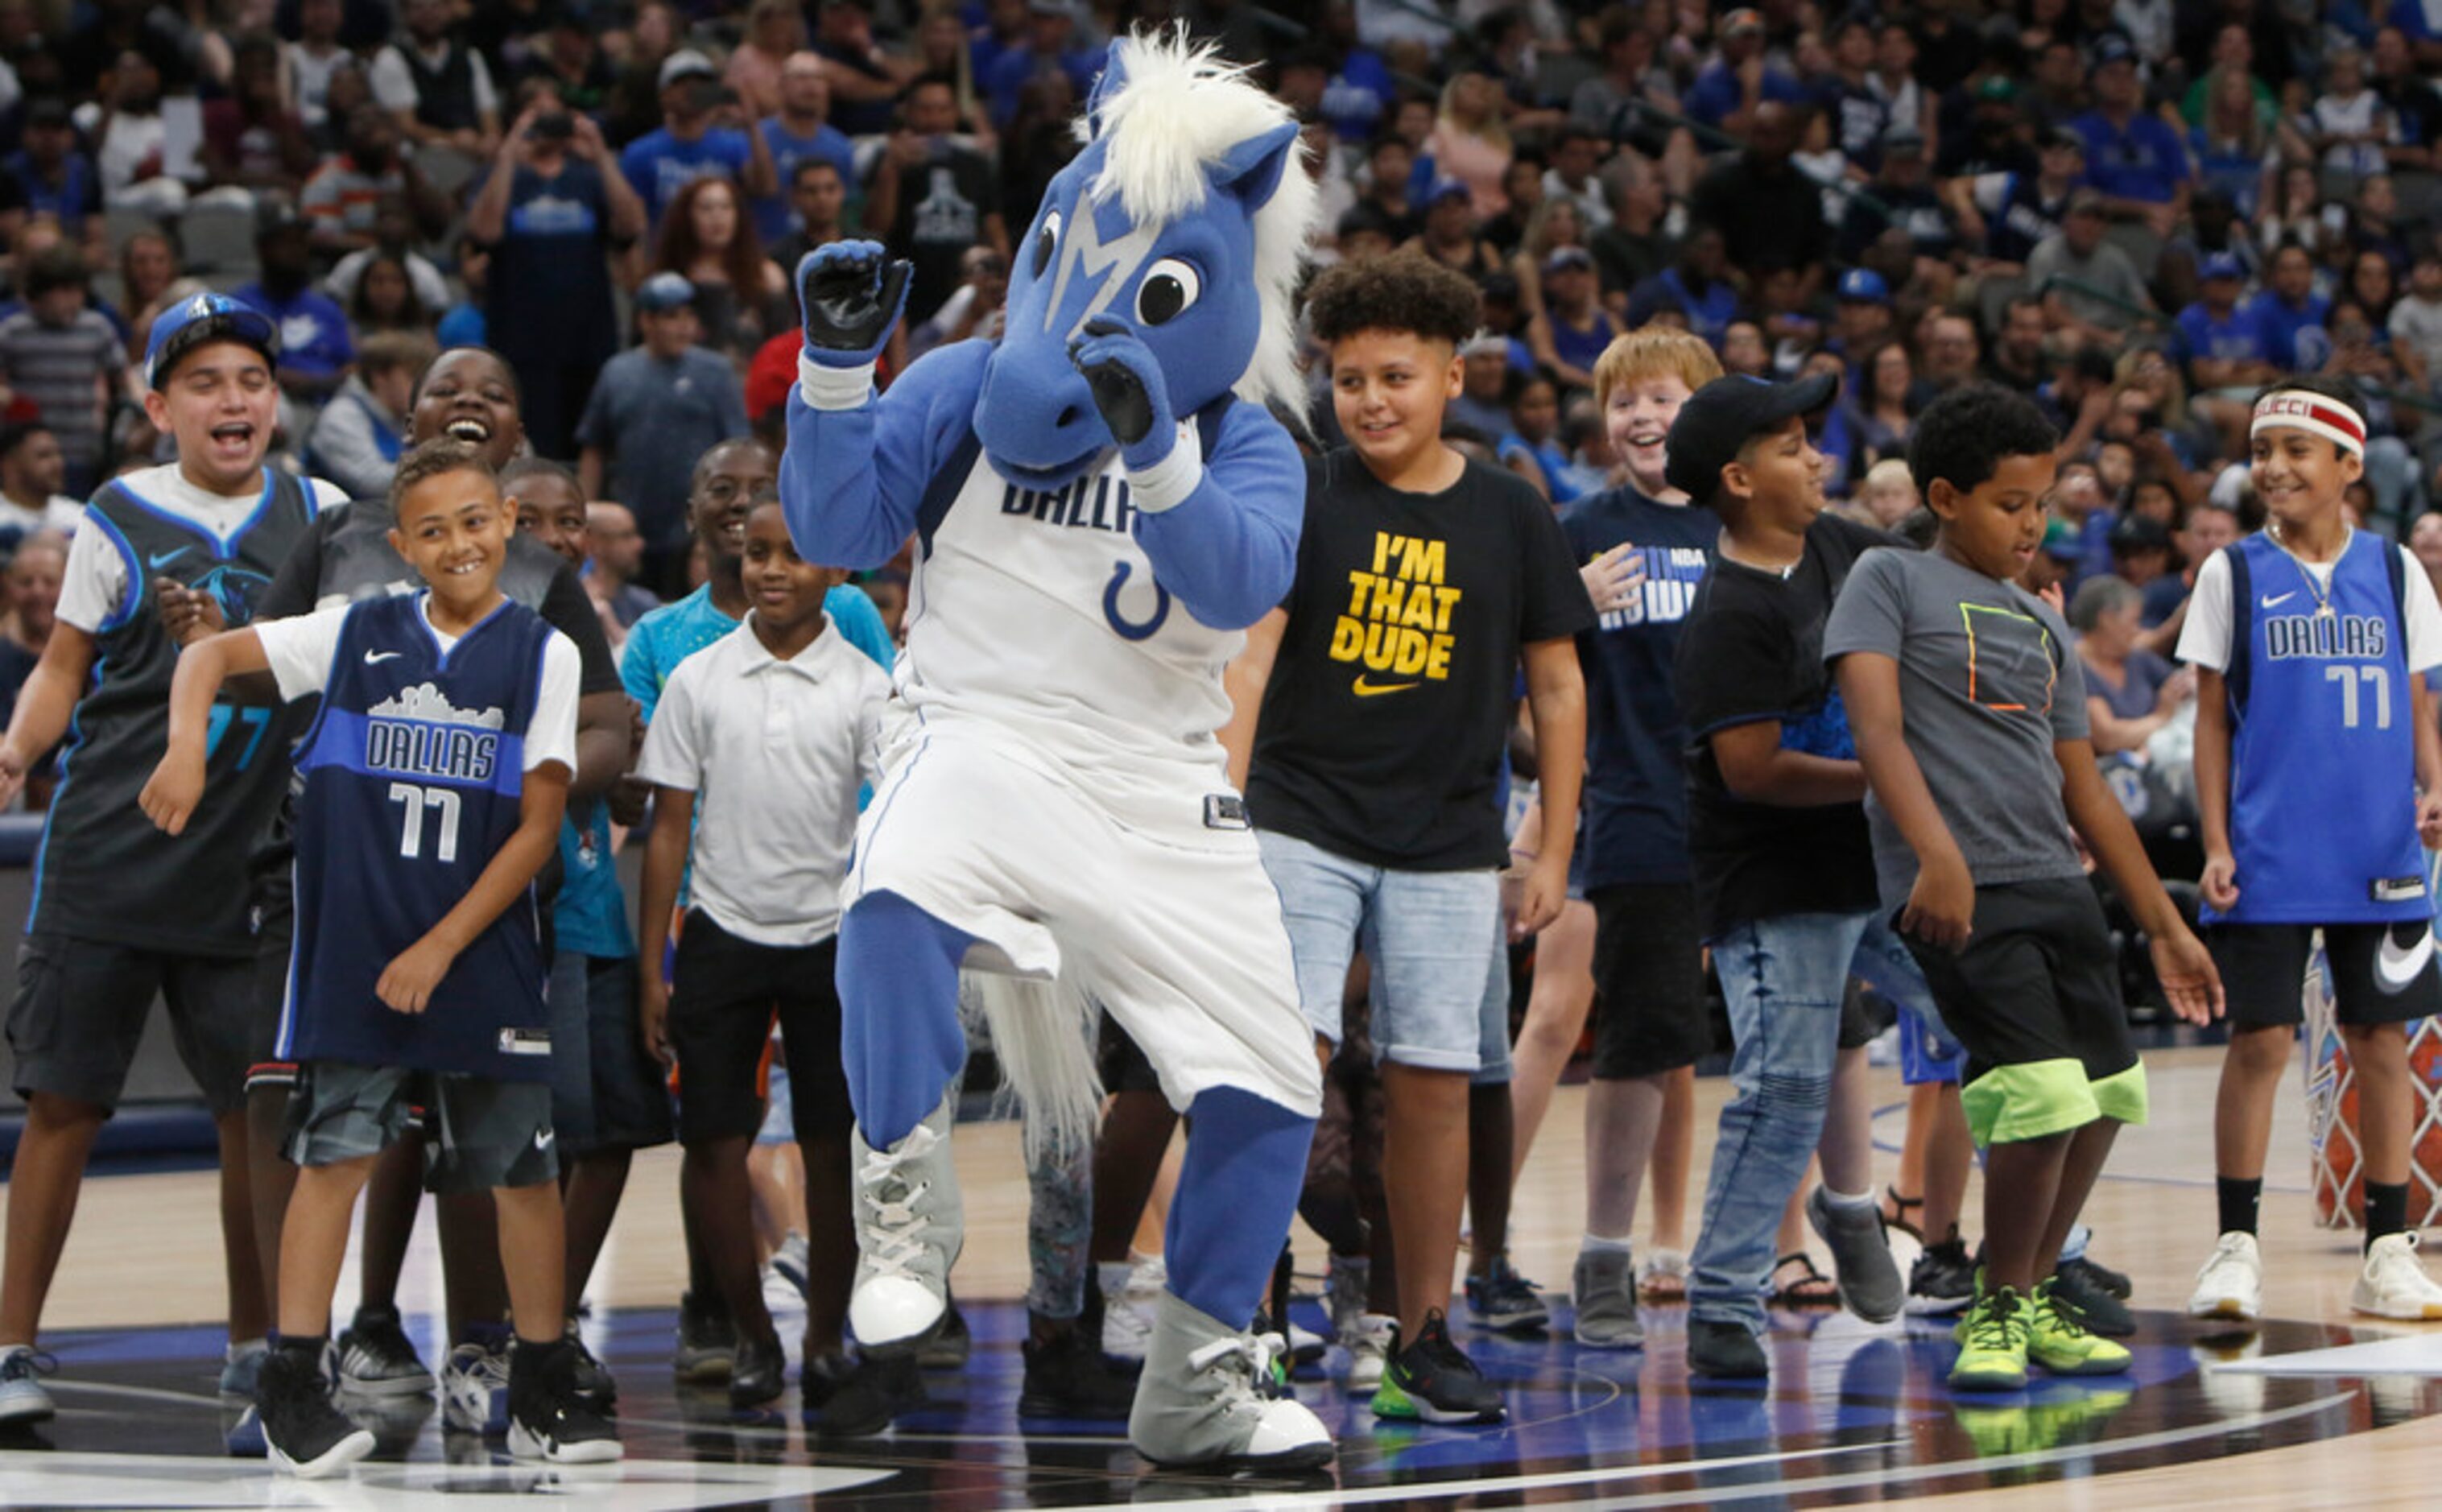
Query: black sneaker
[
  {"x": 949, "y": 1344},
  {"x": 1434, "y": 1380},
  {"x": 304, "y": 1433},
  {"x": 860, "y": 1401},
  {"x": 2076, "y": 1291},
  {"x": 707, "y": 1341},
  {"x": 2103, "y": 1277},
  {"x": 377, "y": 1360},
  {"x": 759, "y": 1372},
  {"x": 1943, "y": 1281},
  {"x": 592, "y": 1378},
  {"x": 1505, "y": 1301},
  {"x": 1068, "y": 1378},
  {"x": 1725, "y": 1352},
  {"x": 548, "y": 1420}
]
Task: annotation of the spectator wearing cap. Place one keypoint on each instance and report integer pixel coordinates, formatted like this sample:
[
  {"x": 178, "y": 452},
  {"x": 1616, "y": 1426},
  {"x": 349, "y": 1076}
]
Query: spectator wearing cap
[
  {"x": 702, "y": 131},
  {"x": 549, "y": 214},
  {"x": 2221, "y": 342},
  {"x": 2058, "y": 560},
  {"x": 658, "y": 407},
  {"x": 1554, "y": 225},
  {"x": 2016, "y": 210},
  {"x": 1903, "y": 198},
  {"x": 2132, "y": 157},
  {"x": 315, "y": 346},
  {"x": 1485, "y": 378},
  {"x": 1728, "y": 90},
  {"x": 64, "y": 357},
  {"x": 343, "y": 200},
  {"x": 1861, "y": 320},
  {"x": 1573, "y": 328},
  {"x": 437, "y": 89},
  {"x": 2109, "y": 294},
  {"x": 1692, "y": 289},
  {"x": 50, "y": 175},
  {"x": 800, "y": 132},
  {"x": 1450, "y": 236},
  {"x": 933, "y": 195},
  {"x": 1762, "y": 205}
]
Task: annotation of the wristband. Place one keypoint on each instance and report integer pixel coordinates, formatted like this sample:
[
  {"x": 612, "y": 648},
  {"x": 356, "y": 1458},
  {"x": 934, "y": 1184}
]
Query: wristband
[
  {"x": 833, "y": 389},
  {"x": 1166, "y": 484}
]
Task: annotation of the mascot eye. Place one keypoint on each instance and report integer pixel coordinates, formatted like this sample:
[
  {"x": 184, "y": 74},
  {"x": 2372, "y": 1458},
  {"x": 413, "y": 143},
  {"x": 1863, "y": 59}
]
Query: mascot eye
[
  {"x": 1170, "y": 287},
  {"x": 1045, "y": 240}
]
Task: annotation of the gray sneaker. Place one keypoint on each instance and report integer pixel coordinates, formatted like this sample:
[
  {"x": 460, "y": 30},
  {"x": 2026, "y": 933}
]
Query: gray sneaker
[
  {"x": 909, "y": 1229},
  {"x": 1604, "y": 1288},
  {"x": 1207, "y": 1399},
  {"x": 1869, "y": 1281}
]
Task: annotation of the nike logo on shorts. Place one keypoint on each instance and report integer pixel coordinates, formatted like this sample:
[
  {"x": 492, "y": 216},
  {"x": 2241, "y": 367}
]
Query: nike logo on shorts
[
  {"x": 2397, "y": 967},
  {"x": 544, "y": 1138}
]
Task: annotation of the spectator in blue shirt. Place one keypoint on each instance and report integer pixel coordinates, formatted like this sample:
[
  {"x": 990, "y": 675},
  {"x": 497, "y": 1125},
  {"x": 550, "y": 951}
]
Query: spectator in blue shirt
[
  {"x": 701, "y": 132},
  {"x": 2133, "y": 157},
  {"x": 2289, "y": 315},
  {"x": 315, "y": 346},
  {"x": 801, "y": 133},
  {"x": 1728, "y": 89},
  {"x": 2222, "y": 341}
]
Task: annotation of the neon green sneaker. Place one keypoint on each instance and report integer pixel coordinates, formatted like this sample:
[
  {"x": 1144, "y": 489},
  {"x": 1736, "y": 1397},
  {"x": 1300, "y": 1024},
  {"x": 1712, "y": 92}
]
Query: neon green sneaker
[
  {"x": 1992, "y": 1343},
  {"x": 2058, "y": 1343}
]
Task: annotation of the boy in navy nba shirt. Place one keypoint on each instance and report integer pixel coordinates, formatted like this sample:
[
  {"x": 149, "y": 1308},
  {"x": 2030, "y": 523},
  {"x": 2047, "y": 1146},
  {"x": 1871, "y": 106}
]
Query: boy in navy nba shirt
[
  {"x": 434, "y": 778},
  {"x": 1969, "y": 714},
  {"x": 2314, "y": 734}
]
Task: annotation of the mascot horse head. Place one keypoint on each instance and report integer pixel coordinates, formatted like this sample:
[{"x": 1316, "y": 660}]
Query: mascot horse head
[{"x": 1185, "y": 218}]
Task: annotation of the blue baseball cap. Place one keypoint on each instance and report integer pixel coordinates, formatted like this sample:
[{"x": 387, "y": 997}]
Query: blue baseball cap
[
  {"x": 2110, "y": 46},
  {"x": 1864, "y": 283},
  {"x": 1447, "y": 189},
  {"x": 203, "y": 318},
  {"x": 665, "y": 291},
  {"x": 2222, "y": 266}
]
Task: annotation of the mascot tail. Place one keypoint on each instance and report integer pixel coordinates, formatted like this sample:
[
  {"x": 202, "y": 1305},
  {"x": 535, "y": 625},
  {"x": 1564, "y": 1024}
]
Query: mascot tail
[{"x": 1044, "y": 1035}]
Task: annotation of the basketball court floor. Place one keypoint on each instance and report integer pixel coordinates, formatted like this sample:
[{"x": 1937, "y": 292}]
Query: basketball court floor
[{"x": 2312, "y": 1409}]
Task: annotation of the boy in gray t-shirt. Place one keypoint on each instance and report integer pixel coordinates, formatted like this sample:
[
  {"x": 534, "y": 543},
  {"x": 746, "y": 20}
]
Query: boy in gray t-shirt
[{"x": 1968, "y": 715}]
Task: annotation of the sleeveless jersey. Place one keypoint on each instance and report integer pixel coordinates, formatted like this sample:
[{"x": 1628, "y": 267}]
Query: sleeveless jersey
[
  {"x": 2323, "y": 748},
  {"x": 103, "y": 871},
  {"x": 412, "y": 775},
  {"x": 1038, "y": 612}
]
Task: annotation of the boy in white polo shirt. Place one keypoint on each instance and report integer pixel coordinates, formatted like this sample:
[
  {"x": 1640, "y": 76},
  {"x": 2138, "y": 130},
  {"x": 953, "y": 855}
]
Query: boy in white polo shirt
[{"x": 759, "y": 746}]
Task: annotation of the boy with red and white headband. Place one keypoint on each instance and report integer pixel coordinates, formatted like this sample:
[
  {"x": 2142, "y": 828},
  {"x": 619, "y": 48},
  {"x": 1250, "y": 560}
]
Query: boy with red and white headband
[{"x": 2315, "y": 739}]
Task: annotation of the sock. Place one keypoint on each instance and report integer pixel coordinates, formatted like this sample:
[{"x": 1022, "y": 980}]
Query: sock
[
  {"x": 2386, "y": 1209},
  {"x": 1845, "y": 1202},
  {"x": 1595, "y": 1243},
  {"x": 1237, "y": 1194},
  {"x": 2239, "y": 1202},
  {"x": 2073, "y": 1248},
  {"x": 900, "y": 1039},
  {"x": 240, "y": 1349}
]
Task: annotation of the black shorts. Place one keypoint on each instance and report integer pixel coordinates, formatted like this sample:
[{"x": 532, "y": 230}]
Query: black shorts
[
  {"x": 2381, "y": 974},
  {"x": 607, "y": 1090},
  {"x": 1649, "y": 981},
  {"x": 478, "y": 1134},
  {"x": 725, "y": 994},
  {"x": 81, "y": 1007},
  {"x": 275, "y": 930},
  {"x": 2034, "y": 999}
]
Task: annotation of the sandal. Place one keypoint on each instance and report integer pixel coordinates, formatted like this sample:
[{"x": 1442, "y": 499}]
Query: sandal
[
  {"x": 1662, "y": 1277},
  {"x": 1898, "y": 1217},
  {"x": 1809, "y": 1288}
]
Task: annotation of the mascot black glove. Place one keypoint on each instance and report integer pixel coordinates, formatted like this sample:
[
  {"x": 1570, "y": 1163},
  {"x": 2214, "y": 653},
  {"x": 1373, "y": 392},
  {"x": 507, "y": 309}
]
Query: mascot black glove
[
  {"x": 852, "y": 293},
  {"x": 1126, "y": 382}
]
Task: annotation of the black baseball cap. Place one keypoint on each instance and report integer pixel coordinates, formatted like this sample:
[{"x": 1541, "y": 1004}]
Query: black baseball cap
[
  {"x": 1727, "y": 413},
  {"x": 2139, "y": 533}
]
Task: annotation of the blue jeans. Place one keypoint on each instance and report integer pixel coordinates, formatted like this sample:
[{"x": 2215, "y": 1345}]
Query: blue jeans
[{"x": 1783, "y": 979}]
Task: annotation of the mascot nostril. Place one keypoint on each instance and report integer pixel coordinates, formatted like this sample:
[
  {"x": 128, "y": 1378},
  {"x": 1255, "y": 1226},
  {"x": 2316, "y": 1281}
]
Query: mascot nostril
[{"x": 1098, "y": 516}]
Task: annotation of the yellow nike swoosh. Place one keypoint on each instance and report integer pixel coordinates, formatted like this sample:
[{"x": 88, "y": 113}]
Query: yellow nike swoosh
[{"x": 1371, "y": 690}]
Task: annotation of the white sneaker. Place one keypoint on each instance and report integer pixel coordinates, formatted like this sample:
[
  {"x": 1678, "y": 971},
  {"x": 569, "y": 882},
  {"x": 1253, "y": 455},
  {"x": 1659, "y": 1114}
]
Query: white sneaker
[
  {"x": 1369, "y": 1350},
  {"x": 21, "y": 1397},
  {"x": 2393, "y": 1285},
  {"x": 1130, "y": 1292},
  {"x": 475, "y": 1389},
  {"x": 2231, "y": 1282}
]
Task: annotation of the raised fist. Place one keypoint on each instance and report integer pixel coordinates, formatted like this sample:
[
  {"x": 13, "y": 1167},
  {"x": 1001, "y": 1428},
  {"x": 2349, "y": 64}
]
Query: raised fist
[{"x": 852, "y": 293}]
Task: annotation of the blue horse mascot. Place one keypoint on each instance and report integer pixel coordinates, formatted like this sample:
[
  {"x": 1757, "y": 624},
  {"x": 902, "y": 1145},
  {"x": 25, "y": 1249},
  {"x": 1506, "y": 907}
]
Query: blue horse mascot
[{"x": 1102, "y": 504}]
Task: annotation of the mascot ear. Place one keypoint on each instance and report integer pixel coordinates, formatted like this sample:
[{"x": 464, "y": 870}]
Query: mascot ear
[
  {"x": 1107, "y": 85},
  {"x": 1253, "y": 170}
]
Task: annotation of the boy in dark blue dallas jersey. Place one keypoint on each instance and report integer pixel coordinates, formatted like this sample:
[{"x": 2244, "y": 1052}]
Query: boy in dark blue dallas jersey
[
  {"x": 2315, "y": 733},
  {"x": 435, "y": 776}
]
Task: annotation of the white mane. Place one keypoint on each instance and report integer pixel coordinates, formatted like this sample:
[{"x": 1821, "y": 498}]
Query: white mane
[{"x": 1178, "y": 111}]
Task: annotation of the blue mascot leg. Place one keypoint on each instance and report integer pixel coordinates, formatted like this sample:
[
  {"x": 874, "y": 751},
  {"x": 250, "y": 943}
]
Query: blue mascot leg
[
  {"x": 899, "y": 1042},
  {"x": 1237, "y": 1192}
]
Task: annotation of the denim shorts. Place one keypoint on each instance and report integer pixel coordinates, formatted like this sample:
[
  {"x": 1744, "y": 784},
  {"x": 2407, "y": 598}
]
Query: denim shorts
[{"x": 1427, "y": 933}]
